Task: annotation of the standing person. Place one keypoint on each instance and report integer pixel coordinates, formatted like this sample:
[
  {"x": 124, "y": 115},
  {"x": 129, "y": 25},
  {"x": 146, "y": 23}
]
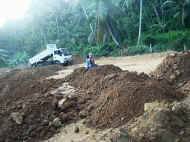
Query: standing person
[
  {"x": 87, "y": 63},
  {"x": 92, "y": 60}
]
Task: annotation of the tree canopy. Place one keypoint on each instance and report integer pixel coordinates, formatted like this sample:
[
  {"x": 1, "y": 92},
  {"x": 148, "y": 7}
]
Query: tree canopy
[{"x": 103, "y": 27}]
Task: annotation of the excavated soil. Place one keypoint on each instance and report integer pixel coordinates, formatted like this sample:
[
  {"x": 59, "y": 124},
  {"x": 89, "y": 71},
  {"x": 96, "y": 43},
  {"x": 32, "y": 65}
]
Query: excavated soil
[
  {"x": 164, "y": 123},
  {"x": 89, "y": 81},
  {"x": 175, "y": 69},
  {"x": 31, "y": 73},
  {"x": 117, "y": 96},
  {"x": 108, "y": 97},
  {"x": 27, "y": 109}
]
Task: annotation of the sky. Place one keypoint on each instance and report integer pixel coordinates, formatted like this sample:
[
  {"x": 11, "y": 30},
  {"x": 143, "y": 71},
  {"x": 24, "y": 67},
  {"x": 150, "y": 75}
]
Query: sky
[{"x": 12, "y": 10}]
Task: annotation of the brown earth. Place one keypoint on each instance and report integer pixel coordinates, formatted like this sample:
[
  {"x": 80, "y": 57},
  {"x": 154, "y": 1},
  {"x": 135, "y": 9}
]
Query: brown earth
[
  {"x": 175, "y": 69},
  {"x": 27, "y": 109},
  {"x": 77, "y": 59},
  {"x": 90, "y": 80},
  {"x": 108, "y": 97},
  {"x": 117, "y": 96},
  {"x": 166, "y": 123}
]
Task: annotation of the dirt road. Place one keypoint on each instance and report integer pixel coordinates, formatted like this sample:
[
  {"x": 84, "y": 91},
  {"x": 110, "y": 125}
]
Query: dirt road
[{"x": 139, "y": 63}]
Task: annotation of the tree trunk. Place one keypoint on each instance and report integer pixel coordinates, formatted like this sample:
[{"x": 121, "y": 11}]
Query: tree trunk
[
  {"x": 57, "y": 27},
  {"x": 140, "y": 23},
  {"x": 183, "y": 16},
  {"x": 87, "y": 17}
]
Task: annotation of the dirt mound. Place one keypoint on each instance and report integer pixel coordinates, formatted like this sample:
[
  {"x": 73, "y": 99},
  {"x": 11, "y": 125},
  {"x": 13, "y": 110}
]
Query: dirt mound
[
  {"x": 175, "y": 68},
  {"x": 109, "y": 97},
  {"x": 90, "y": 80},
  {"x": 162, "y": 123},
  {"x": 124, "y": 97},
  {"x": 28, "y": 112},
  {"x": 32, "y": 73},
  {"x": 115, "y": 96}
]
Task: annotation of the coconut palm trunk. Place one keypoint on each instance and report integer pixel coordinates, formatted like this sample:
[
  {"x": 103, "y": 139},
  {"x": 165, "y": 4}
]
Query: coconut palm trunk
[{"x": 140, "y": 23}]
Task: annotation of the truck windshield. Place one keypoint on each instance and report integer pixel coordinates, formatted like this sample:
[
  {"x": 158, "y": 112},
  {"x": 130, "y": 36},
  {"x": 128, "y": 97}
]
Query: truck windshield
[
  {"x": 61, "y": 52},
  {"x": 66, "y": 52},
  {"x": 58, "y": 52}
]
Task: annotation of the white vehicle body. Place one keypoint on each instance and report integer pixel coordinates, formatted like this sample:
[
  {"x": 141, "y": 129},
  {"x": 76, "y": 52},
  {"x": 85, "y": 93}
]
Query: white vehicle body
[{"x": 61, "y": 56}]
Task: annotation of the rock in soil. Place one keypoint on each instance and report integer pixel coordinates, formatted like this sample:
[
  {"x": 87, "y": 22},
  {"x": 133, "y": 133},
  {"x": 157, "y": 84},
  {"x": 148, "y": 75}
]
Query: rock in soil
[
  {"x": 57, "y": 122},
  {"x": 76, "y": 129},
  {"x": 17, "y": 117}
]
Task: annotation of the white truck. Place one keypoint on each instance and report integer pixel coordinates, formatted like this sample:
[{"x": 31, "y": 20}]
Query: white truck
[{"x": 51, "y": 55}]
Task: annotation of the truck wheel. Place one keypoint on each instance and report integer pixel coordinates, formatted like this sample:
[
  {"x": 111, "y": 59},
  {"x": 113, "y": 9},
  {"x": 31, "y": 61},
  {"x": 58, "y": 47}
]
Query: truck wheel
[
  {"x": 70, "y": 63},
  {"x": 57, "y": 62}
]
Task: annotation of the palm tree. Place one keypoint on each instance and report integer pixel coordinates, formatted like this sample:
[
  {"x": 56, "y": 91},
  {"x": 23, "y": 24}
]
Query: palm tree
[
  {"x": 140, "y": 23},
  {"x": 105, "y": 26},
  {"x": 179, "y": 6}
]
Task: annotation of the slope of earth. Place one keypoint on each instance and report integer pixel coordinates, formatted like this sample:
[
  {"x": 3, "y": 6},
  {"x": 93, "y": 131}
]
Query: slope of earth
[
  {"x": 31, "y": 110},
  {"x": 28, "y": 108},
  {"x": 175, "y": 69},
  {"x": 115, "y": 96},
  {"x": 85, "y": 134},
  {"x": 161, "y": 123}
]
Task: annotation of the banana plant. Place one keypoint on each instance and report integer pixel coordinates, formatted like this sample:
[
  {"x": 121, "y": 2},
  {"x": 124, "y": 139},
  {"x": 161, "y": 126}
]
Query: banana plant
[{"x": 180, "y": 8}]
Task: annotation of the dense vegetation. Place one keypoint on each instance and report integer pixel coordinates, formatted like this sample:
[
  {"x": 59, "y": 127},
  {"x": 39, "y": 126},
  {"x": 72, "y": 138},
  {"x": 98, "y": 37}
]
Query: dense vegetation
[{"x": 104, "y": 27}]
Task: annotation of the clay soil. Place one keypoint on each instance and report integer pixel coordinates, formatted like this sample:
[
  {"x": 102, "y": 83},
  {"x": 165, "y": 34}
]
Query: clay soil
[
  {"x": 174, "y": 68},
  {"x": 107, "y": 97},
  {"x": 26, "y": 92},
  {"x": 117, "y": 96}
]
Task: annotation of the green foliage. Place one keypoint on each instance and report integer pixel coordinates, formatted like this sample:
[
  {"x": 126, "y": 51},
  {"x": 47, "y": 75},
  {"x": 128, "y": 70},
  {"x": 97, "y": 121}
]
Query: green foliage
[
  {"x": 98, "y": 51},
  {"x": 174, "y": 40},
  {"x": 19, "y": 58},
  {"x": 133, "y": 50},
  {"x": 3, "y": 58},
  {"x": 79, "y": 25}
]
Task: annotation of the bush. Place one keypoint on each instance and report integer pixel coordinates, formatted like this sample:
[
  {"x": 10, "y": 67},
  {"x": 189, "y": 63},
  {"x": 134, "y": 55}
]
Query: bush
[
  {"x": 19, "y": 58},
  {"x": 133, "y": 50},
  {"x": 98, "y": 51},
  {"x": 173, "y": 40},
  {"x": 3, "y": 58}
]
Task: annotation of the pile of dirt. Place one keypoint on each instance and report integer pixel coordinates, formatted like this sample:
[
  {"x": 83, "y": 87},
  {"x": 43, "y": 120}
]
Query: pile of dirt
[
  {"x": 175, "y": 68},
  {"x": 167, "y": 123},
  {"x": 31, "y": 110},
  {"x": 31, "y": 73},
  {"x": 90, "y": 80},
  {"x": 117, "y": 96},
  {"x": 28, "y": 110},
  {"x": 124, "y": 96}
]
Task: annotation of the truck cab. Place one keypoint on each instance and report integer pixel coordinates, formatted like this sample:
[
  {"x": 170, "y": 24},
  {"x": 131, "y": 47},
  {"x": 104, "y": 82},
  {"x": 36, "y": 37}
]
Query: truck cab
[{"x": 62, "y": 56}]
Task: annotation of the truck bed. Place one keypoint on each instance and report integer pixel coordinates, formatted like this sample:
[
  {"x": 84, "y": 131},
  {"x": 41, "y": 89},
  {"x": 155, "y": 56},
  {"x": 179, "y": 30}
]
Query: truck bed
[{"x": 44, "y": 55}]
